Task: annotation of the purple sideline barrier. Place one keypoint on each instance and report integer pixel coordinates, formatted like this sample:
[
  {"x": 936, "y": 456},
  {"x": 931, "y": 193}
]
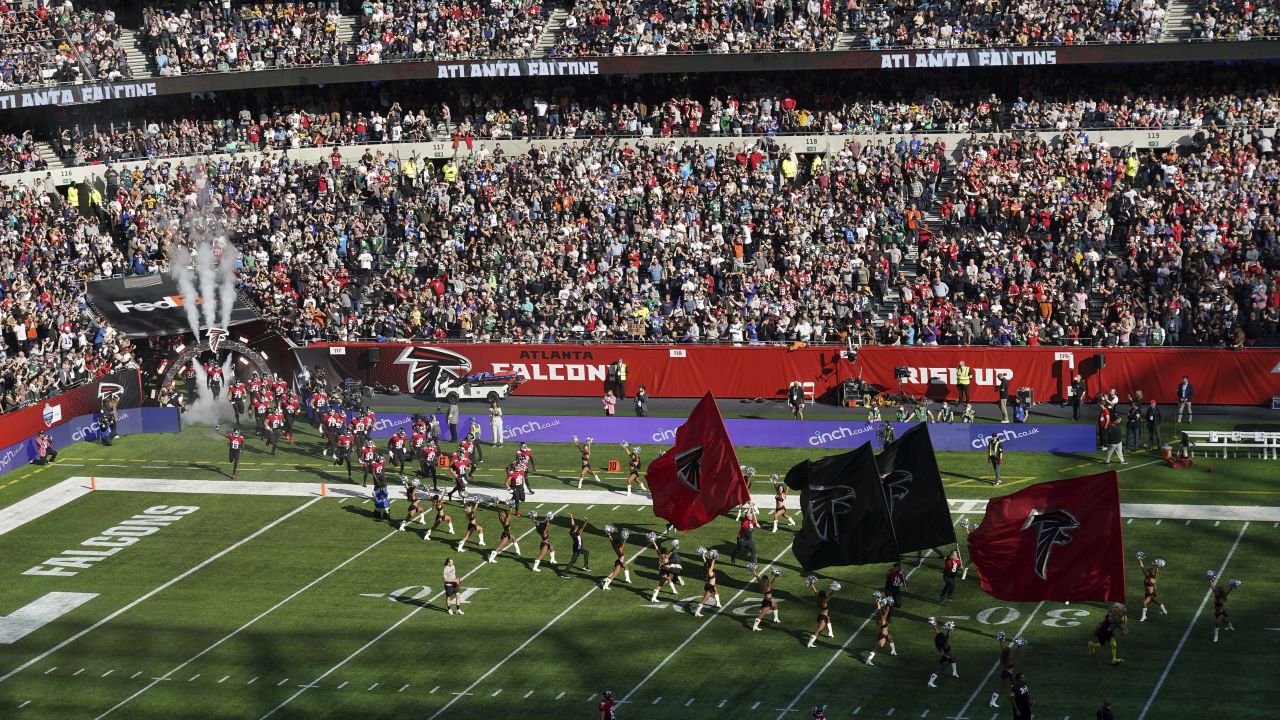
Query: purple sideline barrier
[
  {"x": 130, "y": 421},
  {"x": 1058, "y": 437}
]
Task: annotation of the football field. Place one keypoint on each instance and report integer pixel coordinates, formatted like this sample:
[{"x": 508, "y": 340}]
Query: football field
[{"x": 145, "y": 584}]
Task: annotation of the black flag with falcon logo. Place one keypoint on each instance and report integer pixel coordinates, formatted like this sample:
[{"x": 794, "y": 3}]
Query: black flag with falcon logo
[
  {"x": 914, "y": 494},
  {"x": 846, "y": 518}
]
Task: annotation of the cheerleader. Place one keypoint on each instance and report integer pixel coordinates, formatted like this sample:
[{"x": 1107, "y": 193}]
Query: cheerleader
[
  {"x": 942, "y": 642},
  {"x": 618, "y": 541},
  {"x": 780, "y": 504},
  {"x": 709, "y": 589},
  {"x": 767, "y": 602},
  {"x": 504, "y": 517},
  {"x": 666, "y": 571},
  {"x": 544, "y": 544},
  {"x": 1150, "y": 575},
  {"x": 437, "y": 504},
  {"x": 1220, "y": 618},
  {"x": 824, "y": 609},
  {"x": 1008, "y": 660},
  {"x": 633, "y": 472},
  {"x": 472, "y": 526},
  {"x": 415, "y": 512},
  {"x": 576, "y": 530},
  {"x": 884, "y": 608},
  {"x": 584, "y": 448}
]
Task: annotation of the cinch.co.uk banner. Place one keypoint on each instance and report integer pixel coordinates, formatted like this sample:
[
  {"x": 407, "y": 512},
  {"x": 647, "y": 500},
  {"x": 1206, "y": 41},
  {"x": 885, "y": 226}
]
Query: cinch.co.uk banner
[
  {"x": 131, "y": 421},
  {"x": 815, "y": 434},
  {"x": 24, "y": 423},
  {"x": 1220, "y": 377}
]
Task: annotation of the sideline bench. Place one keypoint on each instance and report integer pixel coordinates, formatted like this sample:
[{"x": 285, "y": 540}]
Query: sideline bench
[{"x": 1265, "y": 444}]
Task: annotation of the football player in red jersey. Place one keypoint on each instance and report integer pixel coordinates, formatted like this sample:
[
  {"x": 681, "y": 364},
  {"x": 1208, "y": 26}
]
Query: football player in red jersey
[
  {"x": 461, "y": 466},
  {"x": 377, "y": 467},
  {"x": 275, "y": 426},
  {"x": 367, "y": 453},
  {"x": 342, "y": 456},
  {"x": 472, "y": 526},
  {"x": 526, "y": 454},
  {"x": 950, "y": 571},
  {"x": 507, "y": 538},
  {"x": 608, "y": 708},
  {"x": 397, "y": 445},
  {"x": 235, "y": 441},
  {"x": 437, "y": 504},
  {"x": 235, "y": 394},
  {"x": 291, "y": 407},
  {"x": 427, "y": 458},
  {"x": 819, "y": 712},
  {"x": 261, "y": 408}
]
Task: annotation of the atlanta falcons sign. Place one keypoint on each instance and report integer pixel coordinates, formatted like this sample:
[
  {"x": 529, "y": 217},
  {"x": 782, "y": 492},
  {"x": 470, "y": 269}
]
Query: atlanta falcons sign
[
  {"x": 1051, "y": 528},
  {"x": 426, "y": 363},
  {"x": 897, "y": 485},
  {"x": 689, "y": 467},
  {"x": 828, "y": 506}
]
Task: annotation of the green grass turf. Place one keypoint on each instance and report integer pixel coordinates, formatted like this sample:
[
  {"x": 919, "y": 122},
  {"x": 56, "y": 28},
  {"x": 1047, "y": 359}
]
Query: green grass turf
[
  {"x": 199, "y": 453},
  {"x": 586, "y": 639}
]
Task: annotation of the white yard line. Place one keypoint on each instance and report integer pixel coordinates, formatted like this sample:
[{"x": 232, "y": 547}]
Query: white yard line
[
  {"x": 986, "y": 678},
  {"x": 1135, "y": 467},
  {"x": 834, "y": 656},
  {"x": 526, "y": 643},
  {"x": 698, "y": 631},
  {"x": 179, "y": 578},
  {"x": 389, "y": 630},
  {"x": 240, "y": 629},
  {"x": 1190, "y": 626}
]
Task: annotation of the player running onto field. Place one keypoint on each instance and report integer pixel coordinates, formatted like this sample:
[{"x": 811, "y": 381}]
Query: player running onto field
[
  {"x": 1150, "y": 576},
  {"x": 824, "y": 608},
  {"x": 472, "y": 525},
  {"x": 461, "y": 467},
  {"x": 942, "y": 642},
  {"x": 884, "y": 609},
  {"x": 1220, "y": 618},
  {"x": 437, "y": 504},
  {"x": 427, "y": 458},
  {"x": 709, "y": 588},
  {"x": 235, "y": 441},
  {"x": 618, "y": 541},
  {"x": 585, "y": 449},
  {"x": 504, "y": 517},
  {"x": 545, "y": 547}
]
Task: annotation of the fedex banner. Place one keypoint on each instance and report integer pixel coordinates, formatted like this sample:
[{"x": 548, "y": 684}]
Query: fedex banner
[
  {"x": 812, "y": 434},
  {"x": 1222, "y": 377},
  {"x": 1217, "y": 376},
  {"x": 86, "y": 428},
  {"x": 23, "y": 424},
  {"x": 150, "y": 305}
]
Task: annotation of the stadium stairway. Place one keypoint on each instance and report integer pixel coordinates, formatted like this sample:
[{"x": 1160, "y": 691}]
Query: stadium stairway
[
  {"x": 1177, "y": 20},
  {"x": 347, "y": 25},
  {"x": 139, "y": 64},
  {"x": 551, "y": 32},
  {"x": 46, "y": 152}
]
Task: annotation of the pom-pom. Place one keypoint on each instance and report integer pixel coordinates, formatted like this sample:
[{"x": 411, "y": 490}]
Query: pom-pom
[
  {"x": 1000, "y": 635},
  {"x": 702, "y": 550},
  {"x": 549, "y": 516},
  {"x": 675, "y": 544},
  {"x": 1236, "y": 583},
  {"x": 834, "y": 586},
  {"x": 625, "y": 533},
  {"x": 777, "y": 572},
  {"x": 590, "y": 440},
  {"x": 964, "y": 523},
  {"x": 752, "y": 568},
  {"x": 1021, "y": 641},
  {"x": 811, "y": 579},
  {"x": 1158, "y": 563},
  {"x": 623, "y": 445},
  {"x": 575, "y": 438},
  {"x": 751, "y": 472},
  {"x": 608, "y": 528},
  {"x": 949, "y": 625},
  {"x": 1142, "y": 555},
  {"x": 876, "y": 595},
  {"x": 636, "y": 449},
  {"x": 773, "y": 477},
  {"x": 1210, "y": 574},
  {"x": 932, "y": 620},
  {"x": 651, "y": 537},
  {"x": 532, "y": 514},
  {"x": 713, "y": 554}
]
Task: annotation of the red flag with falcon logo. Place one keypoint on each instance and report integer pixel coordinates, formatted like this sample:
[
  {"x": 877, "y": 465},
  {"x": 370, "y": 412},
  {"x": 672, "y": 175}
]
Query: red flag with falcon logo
[
  {"x": 700, "y": 477},
  {"x": 1057, "y": 540}
]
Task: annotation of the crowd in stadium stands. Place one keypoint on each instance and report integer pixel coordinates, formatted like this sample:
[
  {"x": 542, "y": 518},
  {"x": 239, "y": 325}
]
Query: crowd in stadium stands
[
  {"x": 977, "y": 23},
  {"x": 219, "y": 37},
  {"x": 18, "y": 153},
  {"x": 56, "y": 43},
  {"x": 1236, "y": 20},
  {"x": 448, "y": 29},
  {"x": 660, "y": 27}
]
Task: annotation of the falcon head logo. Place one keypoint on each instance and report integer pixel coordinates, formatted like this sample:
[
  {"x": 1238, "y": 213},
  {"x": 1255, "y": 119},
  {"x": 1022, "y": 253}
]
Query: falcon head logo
[
  {"x": 214, "y": 336},
  {"x": 426, "y": 364},
  {"x": 897, "y": 485},
  {"x": 689, "y": 468},
  {"x": 827, "y": 507},
  {"x": 109, "y": 390},
  {"x": 1052, "y": 528}
]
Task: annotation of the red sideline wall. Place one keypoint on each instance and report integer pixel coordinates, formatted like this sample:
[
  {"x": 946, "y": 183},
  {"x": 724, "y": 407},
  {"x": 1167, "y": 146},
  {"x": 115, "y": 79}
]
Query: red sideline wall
[{"x": 1226, "y": 377}]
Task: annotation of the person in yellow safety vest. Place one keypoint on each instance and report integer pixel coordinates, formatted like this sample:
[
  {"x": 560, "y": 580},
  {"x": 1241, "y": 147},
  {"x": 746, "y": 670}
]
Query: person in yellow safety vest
[
  {"x": 411, "y": 172},
  {"x": 73, "y": 196},
  {"x": 995, "y": 455},
  {"x": 789, "y": 168},
  {"x": 95, "y": 197},
  {"x": 964, "y": 374},
  {"x": 450, "y": 172},
  {"x": 621, "y": 390},
  {"x": 816, "y": 165}
]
